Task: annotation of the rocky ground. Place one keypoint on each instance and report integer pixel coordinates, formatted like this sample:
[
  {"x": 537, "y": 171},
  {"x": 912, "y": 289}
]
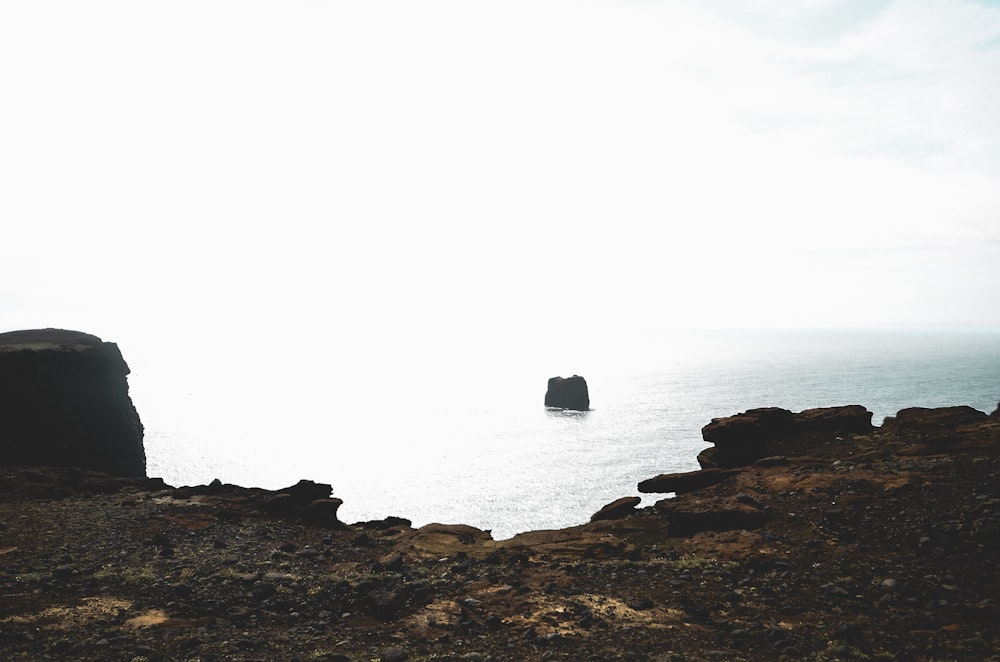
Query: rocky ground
[{"x": 883, "y": 545}]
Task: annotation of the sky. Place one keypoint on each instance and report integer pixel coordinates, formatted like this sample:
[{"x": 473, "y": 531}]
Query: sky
[{"x": 474, "y": 175}]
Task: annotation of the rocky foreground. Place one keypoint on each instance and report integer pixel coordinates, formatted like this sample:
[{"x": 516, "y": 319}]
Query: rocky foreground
[{"x": 857, "y": 543}]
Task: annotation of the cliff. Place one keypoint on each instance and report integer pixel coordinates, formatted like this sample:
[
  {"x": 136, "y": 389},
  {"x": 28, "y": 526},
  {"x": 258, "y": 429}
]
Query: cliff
[{"x": 64, "y": 402}]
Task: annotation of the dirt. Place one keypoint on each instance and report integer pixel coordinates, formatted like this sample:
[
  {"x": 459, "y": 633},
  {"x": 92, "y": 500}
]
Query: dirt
[{"x": 883, "y": 546}]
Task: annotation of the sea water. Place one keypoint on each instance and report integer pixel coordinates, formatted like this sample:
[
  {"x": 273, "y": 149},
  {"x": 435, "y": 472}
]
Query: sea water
[{"x": 467, "y": 440}]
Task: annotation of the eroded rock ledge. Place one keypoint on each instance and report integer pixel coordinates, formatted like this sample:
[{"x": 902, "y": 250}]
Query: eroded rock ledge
[{"x": 757, "y": 433}]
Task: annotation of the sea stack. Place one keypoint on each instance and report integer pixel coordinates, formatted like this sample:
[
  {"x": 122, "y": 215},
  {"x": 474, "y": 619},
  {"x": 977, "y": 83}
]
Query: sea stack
[
  {"x": 568, "y": 393},
  {"x": 64, "y": 402}
]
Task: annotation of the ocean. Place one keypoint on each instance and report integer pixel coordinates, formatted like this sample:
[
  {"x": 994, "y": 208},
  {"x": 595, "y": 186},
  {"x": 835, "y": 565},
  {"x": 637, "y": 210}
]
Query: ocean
[{"x": 459, "y": 434}]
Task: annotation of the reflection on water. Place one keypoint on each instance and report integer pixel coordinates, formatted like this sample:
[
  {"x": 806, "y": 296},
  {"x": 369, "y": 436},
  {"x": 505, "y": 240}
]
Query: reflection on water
[{"x": 566, "y": 413}]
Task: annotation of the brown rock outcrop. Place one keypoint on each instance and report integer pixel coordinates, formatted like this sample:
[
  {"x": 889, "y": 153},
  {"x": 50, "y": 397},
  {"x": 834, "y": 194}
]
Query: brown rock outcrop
[
  {"x": 849, "y": 419},
  {"x": 64, "y": 402},
  {"x": 687, "y": 481},
  {"x": 307, "y": 500},
  {"x": 688, "y": 519},
  {"x": 743, "y": 439},
  {"x": 617, "y": 509},
  {"x": 928, "y": 420}
]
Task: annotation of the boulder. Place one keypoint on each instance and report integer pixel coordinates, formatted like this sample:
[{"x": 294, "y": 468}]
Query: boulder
[
  {"x": 324, "y": 512},
  {"x": 617, "y": 509},
  {"x": 64, "y": 402},
  {"x": 305, "y": 491},
  {"x": 306, "y": 499},
  {"x": 568, "y": 393},
  {"x": 850, "y": 419}
]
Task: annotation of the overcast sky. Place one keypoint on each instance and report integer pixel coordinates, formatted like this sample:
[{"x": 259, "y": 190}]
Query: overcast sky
[{"x": 367, "y": 171}]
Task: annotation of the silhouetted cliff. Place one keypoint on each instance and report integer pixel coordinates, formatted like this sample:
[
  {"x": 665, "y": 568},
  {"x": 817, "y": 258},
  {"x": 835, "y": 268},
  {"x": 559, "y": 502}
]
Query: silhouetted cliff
[{"x": 64, "y": 402}]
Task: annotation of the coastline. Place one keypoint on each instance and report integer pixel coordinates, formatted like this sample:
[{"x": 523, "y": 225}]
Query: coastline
[
  {"x": 880, "y": 545},
  {"x": 407, "y": 458}
]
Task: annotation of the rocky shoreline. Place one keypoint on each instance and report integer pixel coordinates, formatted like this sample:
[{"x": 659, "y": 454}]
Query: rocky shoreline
[{"x": 871, "y": 543}]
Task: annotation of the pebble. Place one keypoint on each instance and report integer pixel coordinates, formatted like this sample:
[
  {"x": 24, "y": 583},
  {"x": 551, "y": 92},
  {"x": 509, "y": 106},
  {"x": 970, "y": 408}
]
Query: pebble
[
  {"x": 309, "y": 553},
  {"x": 391, "y": 562},
  {"x": 263, "y": 590},
  {"x": 278, "y": 576},
  {"x": 834, "y": 589},
  {"x": 889, "y": 583},
  {"x": 394, "y": 655}
]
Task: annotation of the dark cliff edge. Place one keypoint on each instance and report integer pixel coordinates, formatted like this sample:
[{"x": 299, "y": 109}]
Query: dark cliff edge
[
  {"x": 814, "y": 536},
  {"x": 64, "y": 402}
]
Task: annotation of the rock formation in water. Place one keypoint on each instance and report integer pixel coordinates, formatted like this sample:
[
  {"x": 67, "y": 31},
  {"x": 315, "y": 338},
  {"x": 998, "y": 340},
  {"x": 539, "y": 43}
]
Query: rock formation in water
[
  {"x": 568, "y": 393},
  {"x": 64, "y": 402},
  {"x": 743, "y": 439}
]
